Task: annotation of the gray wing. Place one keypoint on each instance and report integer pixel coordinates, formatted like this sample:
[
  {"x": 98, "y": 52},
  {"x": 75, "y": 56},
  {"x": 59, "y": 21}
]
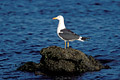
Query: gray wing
[{"x": 68, "y": 35}]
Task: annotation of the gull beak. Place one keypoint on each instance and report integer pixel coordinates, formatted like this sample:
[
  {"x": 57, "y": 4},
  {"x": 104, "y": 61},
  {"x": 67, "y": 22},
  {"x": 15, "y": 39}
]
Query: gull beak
[{"x": 54, "y": 18}]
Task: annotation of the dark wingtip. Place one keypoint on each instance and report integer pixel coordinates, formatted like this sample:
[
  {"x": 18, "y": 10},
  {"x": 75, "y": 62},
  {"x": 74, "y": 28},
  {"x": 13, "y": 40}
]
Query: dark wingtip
[{"x": 85, "y": 38}]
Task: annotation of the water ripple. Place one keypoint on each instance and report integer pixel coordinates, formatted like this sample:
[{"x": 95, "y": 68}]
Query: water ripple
[{"x": 26, "y": 26}]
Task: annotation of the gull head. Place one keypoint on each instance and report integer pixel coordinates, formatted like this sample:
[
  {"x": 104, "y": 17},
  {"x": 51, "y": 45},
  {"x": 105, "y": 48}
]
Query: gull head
[{"x": 60, "y": 17}]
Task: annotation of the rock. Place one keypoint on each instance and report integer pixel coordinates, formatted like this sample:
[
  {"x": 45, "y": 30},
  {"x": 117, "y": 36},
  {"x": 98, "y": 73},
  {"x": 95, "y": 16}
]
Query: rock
[
  {"x": 29, "y": 66},
  {"x": 68, "y": 61},
  {"x": 58, "y": 61}
]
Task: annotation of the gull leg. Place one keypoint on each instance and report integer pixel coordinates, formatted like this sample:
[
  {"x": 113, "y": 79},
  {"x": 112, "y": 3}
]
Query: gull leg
[
  {"x": 65, "y": 44},
  {"x": 68, "y": 44}
]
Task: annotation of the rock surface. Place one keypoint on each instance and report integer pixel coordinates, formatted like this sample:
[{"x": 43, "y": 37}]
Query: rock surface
[{"x": 59, "y": 61}]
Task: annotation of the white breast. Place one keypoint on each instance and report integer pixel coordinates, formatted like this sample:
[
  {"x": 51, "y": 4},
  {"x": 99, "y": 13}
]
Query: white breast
[{"x": 61, "y": 25}]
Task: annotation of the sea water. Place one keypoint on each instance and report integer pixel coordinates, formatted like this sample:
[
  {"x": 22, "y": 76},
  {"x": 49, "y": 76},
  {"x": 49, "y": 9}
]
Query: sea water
[{"x": 26, "y": 26}]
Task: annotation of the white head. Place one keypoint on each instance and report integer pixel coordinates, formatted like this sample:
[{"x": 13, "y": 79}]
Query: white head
[
  {"x": 61, "y": 24},
  {"x": 60, "y": 17}
]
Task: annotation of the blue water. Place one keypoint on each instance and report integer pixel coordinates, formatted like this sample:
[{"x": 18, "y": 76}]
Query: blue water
[{"x": 26, "y": 26}]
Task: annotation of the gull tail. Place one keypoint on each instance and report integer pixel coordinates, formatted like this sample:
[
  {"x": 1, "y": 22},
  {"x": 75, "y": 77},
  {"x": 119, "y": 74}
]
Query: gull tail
[{"x": 83, "y": 39}]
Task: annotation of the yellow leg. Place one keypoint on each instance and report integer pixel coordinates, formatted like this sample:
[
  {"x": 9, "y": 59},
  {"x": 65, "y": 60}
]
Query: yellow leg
[
  {"x": 65, "y": 44},
  {"x": 68, "y": 44}
]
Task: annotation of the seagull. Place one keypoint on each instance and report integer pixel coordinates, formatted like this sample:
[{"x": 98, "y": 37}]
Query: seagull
[{"x": 66, "y": 34}]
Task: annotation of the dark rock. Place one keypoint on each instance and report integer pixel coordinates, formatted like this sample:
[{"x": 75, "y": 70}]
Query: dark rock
[
  {"x": 29, "y": 66},
  {"x": 59, "y": 61}
]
